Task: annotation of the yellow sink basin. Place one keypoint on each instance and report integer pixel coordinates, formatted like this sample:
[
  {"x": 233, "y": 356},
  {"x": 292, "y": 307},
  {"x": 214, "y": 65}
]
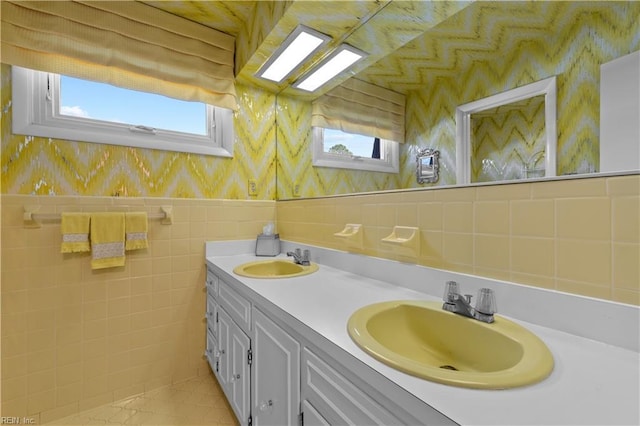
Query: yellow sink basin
[
  {"x": 274, "y": 268},
  {"x": 419, "y": 338}
]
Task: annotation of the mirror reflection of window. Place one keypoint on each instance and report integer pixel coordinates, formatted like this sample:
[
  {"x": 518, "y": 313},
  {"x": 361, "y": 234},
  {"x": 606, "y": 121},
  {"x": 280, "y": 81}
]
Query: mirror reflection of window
[
  {"x": 338, "y": 149},
  {"x": 351, "y": 144}
]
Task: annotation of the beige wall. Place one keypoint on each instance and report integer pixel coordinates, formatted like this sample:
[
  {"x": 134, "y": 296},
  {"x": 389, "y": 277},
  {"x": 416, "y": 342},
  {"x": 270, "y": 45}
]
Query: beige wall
[
  {"x": 579, "y": 236},
  {"x": 73, "y": 338}
]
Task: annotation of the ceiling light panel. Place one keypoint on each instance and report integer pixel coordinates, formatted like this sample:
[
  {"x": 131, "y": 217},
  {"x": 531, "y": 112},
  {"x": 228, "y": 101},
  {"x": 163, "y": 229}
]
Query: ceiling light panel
[
  {"x": 298, "y": 46},
  {"x": 341, "y": 59}
]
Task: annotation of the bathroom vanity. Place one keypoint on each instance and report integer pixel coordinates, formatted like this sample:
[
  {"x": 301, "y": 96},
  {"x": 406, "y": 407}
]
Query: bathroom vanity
[{"x": 282, "y": 354}]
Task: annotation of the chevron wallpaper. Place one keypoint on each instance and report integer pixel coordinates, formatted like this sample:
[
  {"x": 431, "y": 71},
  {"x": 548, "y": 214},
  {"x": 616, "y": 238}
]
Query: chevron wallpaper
[
  {"x": 294, "y": 158},
  {"x": 41, "y": 166},
  {"x": 487, "y": 47},
  {"x": 582, "y": 39},
  {"x": 504, "y": 141}
]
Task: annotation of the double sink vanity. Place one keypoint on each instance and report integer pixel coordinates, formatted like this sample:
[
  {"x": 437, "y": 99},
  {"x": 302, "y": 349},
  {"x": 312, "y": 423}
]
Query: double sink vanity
[{"x": 348, "y": 339}]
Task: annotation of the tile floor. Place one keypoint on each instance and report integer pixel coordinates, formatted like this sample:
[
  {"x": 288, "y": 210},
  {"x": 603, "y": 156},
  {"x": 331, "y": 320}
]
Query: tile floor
[{"x": 198, "y": 401}]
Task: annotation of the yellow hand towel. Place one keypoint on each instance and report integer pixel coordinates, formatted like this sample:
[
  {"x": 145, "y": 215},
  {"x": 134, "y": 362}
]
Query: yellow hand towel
[
  {"x": 135, "y": 231},
  {"x": 107, "y": 240},
  {"x": 75, "y": 232}
]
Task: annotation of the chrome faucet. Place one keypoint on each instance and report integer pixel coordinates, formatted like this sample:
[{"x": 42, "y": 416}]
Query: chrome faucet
[
  {"x": 461, "y": 305},
  {"x": 300, "y": 257}
]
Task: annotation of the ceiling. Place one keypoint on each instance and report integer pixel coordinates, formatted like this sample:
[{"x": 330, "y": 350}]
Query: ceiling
[
  {"x": 410, "y": 43},
  {"x": 227, "y": 16}
]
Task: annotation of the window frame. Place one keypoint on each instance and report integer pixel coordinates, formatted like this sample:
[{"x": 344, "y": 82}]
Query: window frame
[
  {"x": 388, "y": 164},
  {"x": 36, "y": 113}
]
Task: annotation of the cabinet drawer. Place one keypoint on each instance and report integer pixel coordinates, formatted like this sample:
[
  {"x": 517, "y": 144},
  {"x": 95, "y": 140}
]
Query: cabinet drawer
[
  {"x": 238, "y": 308},
  {"x": 335, "y": 399},
  {"x": 212, "y": 284}
]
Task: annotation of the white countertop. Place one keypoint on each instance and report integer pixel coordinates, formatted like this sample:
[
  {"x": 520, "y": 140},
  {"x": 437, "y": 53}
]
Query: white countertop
[{"x": 592, "y": 382}]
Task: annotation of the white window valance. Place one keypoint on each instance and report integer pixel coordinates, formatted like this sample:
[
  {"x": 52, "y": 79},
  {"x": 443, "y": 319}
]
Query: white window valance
[
  {"x": 127, "y": 44},
  {"x": 363, "y": 108}
]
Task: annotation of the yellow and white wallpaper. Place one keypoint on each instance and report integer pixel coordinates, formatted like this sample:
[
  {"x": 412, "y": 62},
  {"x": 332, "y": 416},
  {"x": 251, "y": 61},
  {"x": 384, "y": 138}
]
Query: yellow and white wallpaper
[
  {"x": 573, "y": 52},
  {"x": 294, "y": 158},
  {"x": 462, "y": 60},
  {"x": 44, "y": 166},
  {"x": 496, "y": 57},
  {"x": 505, "y": 141}
]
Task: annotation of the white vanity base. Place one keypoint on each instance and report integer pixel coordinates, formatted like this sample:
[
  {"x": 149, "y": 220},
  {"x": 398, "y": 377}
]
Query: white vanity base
[{"x": 596, "y": 379}]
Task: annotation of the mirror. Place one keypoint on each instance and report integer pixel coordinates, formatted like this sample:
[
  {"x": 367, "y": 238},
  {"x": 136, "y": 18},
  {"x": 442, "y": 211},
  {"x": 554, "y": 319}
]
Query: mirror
[
  {"x": 456, "y": 62},
  {"x": 427, "y": 165},
  {"x": 504, "y": 136}
]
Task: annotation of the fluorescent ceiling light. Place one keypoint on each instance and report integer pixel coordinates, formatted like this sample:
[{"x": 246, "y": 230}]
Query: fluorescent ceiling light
[
  {"x": 297, "y": 47},
  {"x": 341, "y": 59}
]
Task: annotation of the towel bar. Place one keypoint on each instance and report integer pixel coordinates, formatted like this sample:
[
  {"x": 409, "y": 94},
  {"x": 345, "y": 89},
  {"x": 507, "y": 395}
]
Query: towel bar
[{"x": 31, "y": 218}]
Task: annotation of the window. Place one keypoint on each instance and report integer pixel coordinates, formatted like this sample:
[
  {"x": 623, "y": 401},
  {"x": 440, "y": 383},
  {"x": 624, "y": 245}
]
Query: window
[
  {"x": 335, "y": 148},
  {"x": 56, "y": 106}
]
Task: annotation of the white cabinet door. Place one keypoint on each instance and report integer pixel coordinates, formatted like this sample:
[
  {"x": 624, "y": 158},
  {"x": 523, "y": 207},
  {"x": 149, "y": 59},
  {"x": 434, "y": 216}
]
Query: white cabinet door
[
  {"x": 233, "y": 370},
  {"x": 275, "y": 373},
  {"x": 224, "y": 343},
  {"x": 240, "y": 377}
]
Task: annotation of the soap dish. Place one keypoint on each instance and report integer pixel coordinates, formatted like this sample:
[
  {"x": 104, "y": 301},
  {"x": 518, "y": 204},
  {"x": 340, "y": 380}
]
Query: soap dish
[
  {"x": 404, "y": 240},
  {"x": 351, "y": 235}
]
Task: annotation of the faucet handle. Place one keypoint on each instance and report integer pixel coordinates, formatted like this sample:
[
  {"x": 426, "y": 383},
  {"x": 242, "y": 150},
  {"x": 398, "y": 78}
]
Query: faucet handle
[
  {"x": 486, "y": 302},
  {"x": 450, "y": 287}
]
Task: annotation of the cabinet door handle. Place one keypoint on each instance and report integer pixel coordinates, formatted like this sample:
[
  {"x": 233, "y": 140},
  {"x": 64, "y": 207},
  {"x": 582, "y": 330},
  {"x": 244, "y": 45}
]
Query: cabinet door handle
[
  {"x": 266, "y": 405},
  {"x": 235, "y": 377}
]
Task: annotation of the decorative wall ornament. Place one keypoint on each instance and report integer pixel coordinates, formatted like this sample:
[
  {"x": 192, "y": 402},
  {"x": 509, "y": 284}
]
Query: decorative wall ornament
[{"x": 427, "y": 165}]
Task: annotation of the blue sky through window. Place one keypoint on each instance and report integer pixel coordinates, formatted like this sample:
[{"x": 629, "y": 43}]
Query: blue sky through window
[
  {"x": 358, "y": 144},
  {"x": 101, "y": 101}
]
